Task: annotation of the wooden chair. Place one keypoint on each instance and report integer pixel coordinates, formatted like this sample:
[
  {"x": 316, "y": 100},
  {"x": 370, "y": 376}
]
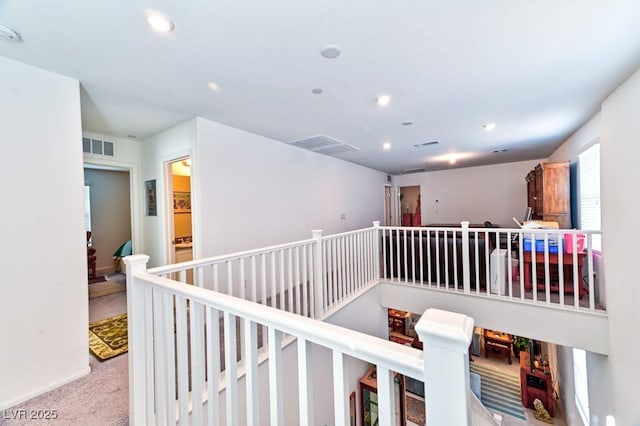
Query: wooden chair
[{"x": 91, "y": 257}]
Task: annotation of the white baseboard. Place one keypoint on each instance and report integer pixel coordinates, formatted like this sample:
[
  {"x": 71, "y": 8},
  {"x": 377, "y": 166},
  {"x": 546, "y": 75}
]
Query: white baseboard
[
  {"x": 105, "y": 270},
  {"x": 19, "y": 400}
]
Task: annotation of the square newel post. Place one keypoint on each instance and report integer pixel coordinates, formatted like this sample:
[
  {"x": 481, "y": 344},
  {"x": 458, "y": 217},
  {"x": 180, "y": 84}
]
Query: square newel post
[
  {"x": 318, "y": 285},
  {"x": 466, "y": 265},
  {"x": 376, "y": 249},
  {"x": 136, "y": 334},
  {"x": 446, "y": 337}
]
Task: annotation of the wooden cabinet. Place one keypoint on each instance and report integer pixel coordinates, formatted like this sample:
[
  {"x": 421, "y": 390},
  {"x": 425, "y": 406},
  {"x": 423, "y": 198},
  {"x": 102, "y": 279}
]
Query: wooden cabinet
[
  {"x": 548, "y": 193},
  {"x": 369, "y": 392},
  {"x": 536, "y": 384}
]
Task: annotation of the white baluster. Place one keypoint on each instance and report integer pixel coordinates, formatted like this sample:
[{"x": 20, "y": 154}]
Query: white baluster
[
  {"x": 305, "y": 395},
  {"x": 376, "y": 251},
  {"x": 466, "y": 267},
  {"x": 230, "y": 369},
  {"x": 276, "y": 396},
  {"x": 251, "y": 369},
  {"x": 135, "y": 299},
  {"x": 318, "y": 282}
]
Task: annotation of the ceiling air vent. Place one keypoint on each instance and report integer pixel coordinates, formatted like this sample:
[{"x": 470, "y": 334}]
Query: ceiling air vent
[
  {"x": 98, "y": 147},
  {"x": 323, "y": 144},
  {"x": 416, "y": 170},
  {"x": 422, "y": 145}
]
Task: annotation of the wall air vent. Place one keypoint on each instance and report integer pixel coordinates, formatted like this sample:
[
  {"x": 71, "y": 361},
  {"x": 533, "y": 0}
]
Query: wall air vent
[
  {"x": 422, "y": 145},
  {"x": 323, "y": 144},
  {"x": 98, "y": 147}
]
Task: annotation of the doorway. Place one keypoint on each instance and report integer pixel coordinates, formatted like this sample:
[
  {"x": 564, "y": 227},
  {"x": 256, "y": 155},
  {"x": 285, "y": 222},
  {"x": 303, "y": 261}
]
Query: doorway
[
  {"x": 180, "y": 218},
  {"x": 108, "y": 216},
  {"x": 388, "y": 210},
  {"x": 410, "y": 208}
]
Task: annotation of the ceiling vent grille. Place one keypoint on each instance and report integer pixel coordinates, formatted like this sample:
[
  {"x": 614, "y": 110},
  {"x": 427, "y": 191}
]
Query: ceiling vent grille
[
  {"x": 422, "y": 145},
  {"x": 97, "y": 147},
  {"x": 323, "y": 144},
  {"x": 416, "y": 170}
]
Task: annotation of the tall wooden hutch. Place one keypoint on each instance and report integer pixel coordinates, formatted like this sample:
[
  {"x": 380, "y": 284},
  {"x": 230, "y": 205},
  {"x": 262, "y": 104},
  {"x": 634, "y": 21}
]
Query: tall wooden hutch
[{"x": 548, "y": 193}]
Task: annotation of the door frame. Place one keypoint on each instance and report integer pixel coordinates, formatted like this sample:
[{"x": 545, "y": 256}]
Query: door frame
[
  {"x": 167, "y": 174},
  {"x": 388, "y": 205},
  {"x": 134, "y": 194}
]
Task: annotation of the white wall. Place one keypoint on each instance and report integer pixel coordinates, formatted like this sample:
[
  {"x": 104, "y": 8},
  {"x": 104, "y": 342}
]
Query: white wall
[
  {"x": 599, "y": 373},
  {"x": 124, "y": 150},
  {"x": 588, "y": 134},
  {"x": 612, "y": 379},
  {"x": 619, "y": 152},
  {"x": 173, "y": 143},
  {"x": 253, "y": 191},
  {"x": 495, "y": 193},
  {"x": 44, "y": 313}
]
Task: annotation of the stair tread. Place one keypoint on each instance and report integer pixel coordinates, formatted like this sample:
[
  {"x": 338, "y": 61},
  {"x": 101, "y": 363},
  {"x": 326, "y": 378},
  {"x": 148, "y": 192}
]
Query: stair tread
[{"x": 500, "y": 391}]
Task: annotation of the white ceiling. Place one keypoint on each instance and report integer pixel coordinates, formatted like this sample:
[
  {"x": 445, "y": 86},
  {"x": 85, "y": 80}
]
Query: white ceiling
[{"x": 539, "y": 69}]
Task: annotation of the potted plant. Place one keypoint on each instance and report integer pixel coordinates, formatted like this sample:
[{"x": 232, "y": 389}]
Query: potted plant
[{"x": 519, "y": 344}]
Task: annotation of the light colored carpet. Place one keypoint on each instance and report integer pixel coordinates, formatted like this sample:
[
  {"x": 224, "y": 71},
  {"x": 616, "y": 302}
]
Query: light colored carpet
[
  {"x": 105, "y": 288},
  {"x": 100, "y": 398},
  {"x": 115, "y": 283}
]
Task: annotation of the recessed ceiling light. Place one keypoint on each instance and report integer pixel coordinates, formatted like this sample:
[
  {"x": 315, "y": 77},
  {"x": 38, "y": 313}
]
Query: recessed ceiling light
[
  {"x": 9, "y": 34},
  {"x": 383, "y": 100},
  {"x": 407, "y": 123},
  {"x": 159, "y": 21},
  {"x": 489, "y": 126},
  {"x": 386, "y": 145},
  {"x": 330, "y": 52},
  {"x": 213, "y": 86},
  {"x": 316, "y": 91}
]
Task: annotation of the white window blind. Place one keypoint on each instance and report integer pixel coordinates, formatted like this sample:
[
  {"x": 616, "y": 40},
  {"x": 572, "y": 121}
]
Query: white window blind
[
  {"x": 589, "y": 172},
  {"x": 87, "y": 208},
  {"x": 580, "y": 383}
]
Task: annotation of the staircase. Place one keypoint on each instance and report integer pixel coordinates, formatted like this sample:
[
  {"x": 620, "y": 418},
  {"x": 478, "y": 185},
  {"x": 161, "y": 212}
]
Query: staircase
[{"x": 500, "y": 391}]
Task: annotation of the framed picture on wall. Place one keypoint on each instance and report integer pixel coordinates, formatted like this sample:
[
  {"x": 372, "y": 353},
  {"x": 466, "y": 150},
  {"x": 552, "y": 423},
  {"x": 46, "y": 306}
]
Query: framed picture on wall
[
  {"x": 150, "y": 197},
  {"x": 182, "y": 202}
]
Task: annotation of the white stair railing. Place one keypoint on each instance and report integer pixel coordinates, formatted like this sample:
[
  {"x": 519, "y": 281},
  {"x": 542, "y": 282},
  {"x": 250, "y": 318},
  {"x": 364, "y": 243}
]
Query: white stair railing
[
  {"x": 550, "y": 267},
  {"x": 174, "y": 363},
  {"x": 308, "y": 277}
]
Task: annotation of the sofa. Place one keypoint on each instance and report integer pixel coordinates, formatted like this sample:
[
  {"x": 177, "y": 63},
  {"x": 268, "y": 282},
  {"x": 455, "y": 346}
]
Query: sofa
[{"x": 399, "y": 245}]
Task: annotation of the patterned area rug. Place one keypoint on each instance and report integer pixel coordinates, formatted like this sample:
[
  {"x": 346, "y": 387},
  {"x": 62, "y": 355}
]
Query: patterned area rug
[{"x": 108, "y": 337}]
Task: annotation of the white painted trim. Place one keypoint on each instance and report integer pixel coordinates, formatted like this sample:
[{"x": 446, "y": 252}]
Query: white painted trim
[
  {"x": 13, "y": 402},
  {"x": 135, "y": 196},
  {"x": 167, "y": 185}
]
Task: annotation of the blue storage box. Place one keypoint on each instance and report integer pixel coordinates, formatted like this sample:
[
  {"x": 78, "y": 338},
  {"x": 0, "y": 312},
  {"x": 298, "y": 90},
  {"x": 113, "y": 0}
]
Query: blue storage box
[{"x": 553, "y": 245}]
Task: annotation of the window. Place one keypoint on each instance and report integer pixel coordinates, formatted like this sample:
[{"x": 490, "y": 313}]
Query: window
[
  {"x": 580, "y": 384},
  {"x": 589, "y": 178},
  {"x": 87, "y": 208}
]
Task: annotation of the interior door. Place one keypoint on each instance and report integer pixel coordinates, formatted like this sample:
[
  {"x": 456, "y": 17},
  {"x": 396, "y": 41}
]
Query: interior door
[{"x": 388, "y": 215}]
